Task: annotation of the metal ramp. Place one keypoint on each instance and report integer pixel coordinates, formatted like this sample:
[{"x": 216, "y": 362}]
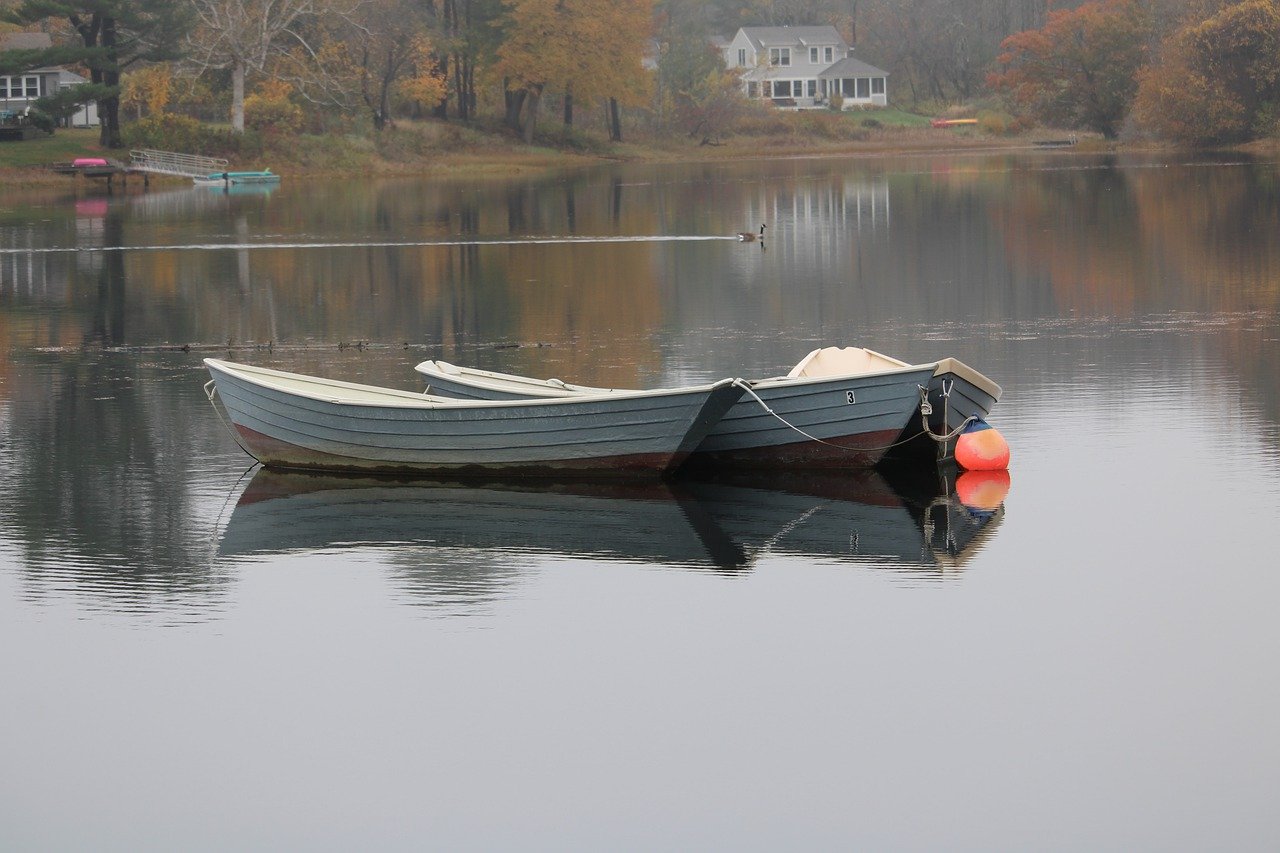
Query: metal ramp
[{"x": 174, "y": 163}]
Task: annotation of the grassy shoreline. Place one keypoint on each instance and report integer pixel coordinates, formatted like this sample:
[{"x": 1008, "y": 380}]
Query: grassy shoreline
[{"x": 435, "y": 148}]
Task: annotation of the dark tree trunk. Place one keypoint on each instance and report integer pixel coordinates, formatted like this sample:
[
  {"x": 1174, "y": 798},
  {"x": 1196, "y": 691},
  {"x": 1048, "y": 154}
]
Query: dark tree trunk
[
  {"x": 469, "y": 88},
  {"x": 100, "y": 30},
  {"x": 615, "y": 121},
  {"x": 441, "y": 110},
  {"x": 460, "y": 86},
  {"x": 568, "y": 108},
  {"x": 384, "y": 95},
  {"x": 514, "y": 103},
  {"x": 109, "y": 107},
  {"x": 531, "y": 113}
]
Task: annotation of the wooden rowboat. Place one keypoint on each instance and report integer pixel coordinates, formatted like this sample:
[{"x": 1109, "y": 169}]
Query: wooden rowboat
[
  {"x": 288, "y": 420},
  {"x": 837, "y": 408},
  {"x": 951, "y": 396}
]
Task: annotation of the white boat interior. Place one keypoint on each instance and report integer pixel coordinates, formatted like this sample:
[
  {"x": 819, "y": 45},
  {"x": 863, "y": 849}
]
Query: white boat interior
[
  {"x": 858, "y": 361},
  {"x": 350, "y": 393},
  {"x": 823, "y": 363}
]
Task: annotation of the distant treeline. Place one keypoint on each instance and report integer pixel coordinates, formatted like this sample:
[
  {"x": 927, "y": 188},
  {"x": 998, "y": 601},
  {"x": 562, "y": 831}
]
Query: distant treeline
[{"x": 1190, "y": 70}]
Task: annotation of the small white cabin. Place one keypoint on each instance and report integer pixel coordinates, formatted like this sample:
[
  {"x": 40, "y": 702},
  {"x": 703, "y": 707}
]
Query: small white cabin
[
  {"x": 19, "y": 91},
  {"x": 802, "y": 68}
]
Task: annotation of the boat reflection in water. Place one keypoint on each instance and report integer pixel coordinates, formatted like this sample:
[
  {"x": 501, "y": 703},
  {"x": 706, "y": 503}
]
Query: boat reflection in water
[
  {"x": 466, "y": 542},
  {"x": 909, "y": 520},
  {"x": 281, "y": 512}
]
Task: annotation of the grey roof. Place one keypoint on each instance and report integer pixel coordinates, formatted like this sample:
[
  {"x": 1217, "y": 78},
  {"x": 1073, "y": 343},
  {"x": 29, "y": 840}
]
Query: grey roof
[
  {"x": 850, "y": 67},
  {"x": 29, "y": 41},
  {"x": 786, "y": 36},
  {"x": 25, "y": 41}
]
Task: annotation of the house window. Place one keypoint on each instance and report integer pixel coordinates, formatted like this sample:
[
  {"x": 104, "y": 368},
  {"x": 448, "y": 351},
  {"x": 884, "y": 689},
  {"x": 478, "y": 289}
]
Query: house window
[
  {"x": 10, "y": 87},
  {"x": 864, "y": 87},
  {"x": 752, "y": 89},
  {"x": 779, "y": 56},
  {"x": 813, "y": 88},
  {"x": 827, "y": 54},
  {"x": 742, "y": 56},
  {"x": 813, "y": 55},
  {"x": 19, "y": 87},
  {"x": 877, "y": 85}
]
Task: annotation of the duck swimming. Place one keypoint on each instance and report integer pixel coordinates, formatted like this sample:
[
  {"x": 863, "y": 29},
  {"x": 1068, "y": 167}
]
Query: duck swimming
[{"x": 748, "y": 237}]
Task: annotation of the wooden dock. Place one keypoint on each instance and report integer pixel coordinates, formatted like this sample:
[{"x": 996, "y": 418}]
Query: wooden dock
[
  {"x": 146, "y": 163},
  {"x": 19, "y": 132},
  {"x": 107, "y": 171}
]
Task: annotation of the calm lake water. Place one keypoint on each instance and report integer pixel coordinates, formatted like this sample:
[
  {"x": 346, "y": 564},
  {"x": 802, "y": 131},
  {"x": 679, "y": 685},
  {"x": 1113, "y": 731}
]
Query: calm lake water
[{"x": 201, "y": 656}]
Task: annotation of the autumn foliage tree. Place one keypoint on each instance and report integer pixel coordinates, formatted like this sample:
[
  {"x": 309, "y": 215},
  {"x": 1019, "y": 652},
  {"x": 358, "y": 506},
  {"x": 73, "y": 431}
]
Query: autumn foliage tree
[
  {"x": 1080, "y": 69},
  {"x": 703, "y": 97},
  {"x": 386, "y": 42},
  {"x": 584, "y": 49},
  {"x": 1218, "y": 80},
  {"x": 147, "y": 90}
]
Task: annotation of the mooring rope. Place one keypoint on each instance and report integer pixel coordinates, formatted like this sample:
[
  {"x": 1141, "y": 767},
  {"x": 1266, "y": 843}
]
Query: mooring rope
[
  {"x": 211, "y": 391},
  {"x": 925, "y": 411}
]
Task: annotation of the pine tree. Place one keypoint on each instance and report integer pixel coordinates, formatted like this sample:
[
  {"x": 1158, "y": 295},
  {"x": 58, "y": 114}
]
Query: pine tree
[{"x": 112, "y": 35}]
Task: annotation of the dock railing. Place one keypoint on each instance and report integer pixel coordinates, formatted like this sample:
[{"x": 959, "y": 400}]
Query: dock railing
[{"x": 175, "y": 163}]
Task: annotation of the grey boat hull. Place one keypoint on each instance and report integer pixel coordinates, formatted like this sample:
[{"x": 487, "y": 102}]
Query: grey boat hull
[
  {"x": 953, "y": 398},
  {"x": 854, "y": 418},
  {"x": 292, "y": 421}
]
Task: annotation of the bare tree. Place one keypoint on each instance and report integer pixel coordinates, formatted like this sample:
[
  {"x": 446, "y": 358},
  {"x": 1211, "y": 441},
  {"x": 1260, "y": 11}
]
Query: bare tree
[{"x": 241, "y": 35}]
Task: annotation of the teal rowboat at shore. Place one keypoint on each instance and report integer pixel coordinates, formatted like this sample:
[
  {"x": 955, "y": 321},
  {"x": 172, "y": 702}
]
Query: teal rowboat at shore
[{"x": 230, "y": 179}]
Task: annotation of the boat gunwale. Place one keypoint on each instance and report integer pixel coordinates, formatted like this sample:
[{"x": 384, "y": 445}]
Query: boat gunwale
[
  {"x": 542, "y": 390},
  {"x": 410, "y": 400},
  {"x": 969, "y": 374}
]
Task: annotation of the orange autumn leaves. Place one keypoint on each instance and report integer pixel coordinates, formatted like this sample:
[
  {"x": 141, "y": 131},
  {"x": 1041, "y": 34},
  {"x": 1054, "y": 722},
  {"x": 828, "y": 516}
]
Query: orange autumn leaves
[
  {"x": 1080, "y": 69},
  {"x": 1214, "y": 78},
  {"x": 1218, "y": 80},
  {"x": 589, "y": 47}
]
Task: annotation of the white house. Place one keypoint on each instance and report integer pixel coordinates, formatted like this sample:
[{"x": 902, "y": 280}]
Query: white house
[
  {"x": 18, "y": 91},
  {"x": 802, "y": 67}
]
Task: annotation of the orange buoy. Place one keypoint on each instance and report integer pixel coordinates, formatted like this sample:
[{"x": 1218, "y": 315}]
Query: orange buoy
[
  {"x": 981, "y": 448},
  {"x": 982, "y": 490}
]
